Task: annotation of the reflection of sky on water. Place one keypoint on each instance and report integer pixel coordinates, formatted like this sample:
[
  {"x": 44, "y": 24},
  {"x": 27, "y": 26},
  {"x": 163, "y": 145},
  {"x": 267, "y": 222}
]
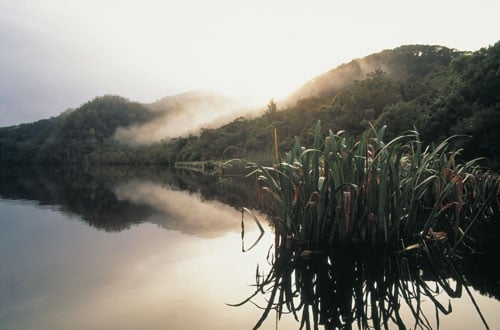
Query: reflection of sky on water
[{"x": 59, "y": 274}]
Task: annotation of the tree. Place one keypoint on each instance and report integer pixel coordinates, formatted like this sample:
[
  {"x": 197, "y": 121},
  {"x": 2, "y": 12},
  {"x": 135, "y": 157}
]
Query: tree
[{"x": 272, "y": 109}]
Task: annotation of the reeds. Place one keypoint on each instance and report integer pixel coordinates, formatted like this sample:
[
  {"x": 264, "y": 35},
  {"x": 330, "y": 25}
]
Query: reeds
[
  {"x": 356, "y": 220},
  {"x": 344, "y": 190}
]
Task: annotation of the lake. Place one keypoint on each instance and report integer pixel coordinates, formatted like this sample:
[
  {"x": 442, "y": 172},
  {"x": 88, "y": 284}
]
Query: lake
[{"x": 146, "y": 248}]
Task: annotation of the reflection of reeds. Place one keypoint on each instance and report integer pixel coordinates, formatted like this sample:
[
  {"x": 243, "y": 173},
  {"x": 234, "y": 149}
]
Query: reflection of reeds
[
  {"x": 363, "y": 288},
  {"x": 261, "y": 229},
  {"x": 335, "y": 204}
]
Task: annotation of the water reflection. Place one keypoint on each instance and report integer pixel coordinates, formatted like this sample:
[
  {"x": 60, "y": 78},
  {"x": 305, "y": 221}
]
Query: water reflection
[
  {"x": 355, "y": 286},
  {"x": 60, "y": 274},
  {"x": 178, "y": 210},
  {"x": 73, "y": 191},
  {"x": 360, "y": 288},
  {"x": 115, "y": 198}
]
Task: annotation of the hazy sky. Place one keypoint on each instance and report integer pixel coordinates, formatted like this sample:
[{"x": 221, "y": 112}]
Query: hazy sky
[{"x": 58, "y": 54}]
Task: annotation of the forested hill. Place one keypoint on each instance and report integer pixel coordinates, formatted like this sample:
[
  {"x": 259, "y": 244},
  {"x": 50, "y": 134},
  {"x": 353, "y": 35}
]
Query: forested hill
[
  {"x": 399, "y": 64},
  {"x": 73, "y": 134},
  {"x": 108, "y": 123},
  {"x": 437, "y": 90}
]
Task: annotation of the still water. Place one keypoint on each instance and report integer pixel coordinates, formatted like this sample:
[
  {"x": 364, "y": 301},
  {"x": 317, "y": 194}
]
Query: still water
[{"x": 139, "y": 249}]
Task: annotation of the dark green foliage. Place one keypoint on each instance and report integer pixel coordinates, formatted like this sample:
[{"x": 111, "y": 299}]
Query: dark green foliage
[
  {"x": 363, "y": 102},
  {"x": 400, "y": 63},
  {"x": 333, "y": 205},
  {"x": 72, "y": 135},
  {"x": 437, "y": 90},
  {"x": 370, "y": 190}
]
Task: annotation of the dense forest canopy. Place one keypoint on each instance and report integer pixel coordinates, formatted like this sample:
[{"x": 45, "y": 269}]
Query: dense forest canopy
[
  {"x": 437, "y": 90},
  {"x": 399, "y": 64},
  {"x": 72, "y": 135}
]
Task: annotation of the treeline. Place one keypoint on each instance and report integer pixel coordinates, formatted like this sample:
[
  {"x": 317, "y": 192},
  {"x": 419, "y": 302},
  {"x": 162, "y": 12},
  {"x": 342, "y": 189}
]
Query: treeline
[
  {"x": 437, "y": 90},
  {"x": 441, "y": 93},
  {"x": 73, "y": 135}
]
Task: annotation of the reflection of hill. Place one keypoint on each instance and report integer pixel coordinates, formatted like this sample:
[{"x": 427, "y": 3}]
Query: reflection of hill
[
  {"x": 113, "y": 198},
  {"x": 116, "y": 198},
  {"x": 75, "y": 192},
  {"x": 232, "y": 190}
]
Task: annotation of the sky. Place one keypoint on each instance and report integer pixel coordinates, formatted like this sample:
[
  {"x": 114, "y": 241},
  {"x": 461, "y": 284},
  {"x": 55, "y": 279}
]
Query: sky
[{"x": 59, "y": 54}]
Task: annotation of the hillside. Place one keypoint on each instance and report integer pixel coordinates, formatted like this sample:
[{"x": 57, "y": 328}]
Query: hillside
[
  {"x": 110, "y": 123},
  {"x": 68, "y": 137},
  {"x": 180, "y": 114},
  {"x": 399, "y": 64},
  {"x": 437, "y": 90}
]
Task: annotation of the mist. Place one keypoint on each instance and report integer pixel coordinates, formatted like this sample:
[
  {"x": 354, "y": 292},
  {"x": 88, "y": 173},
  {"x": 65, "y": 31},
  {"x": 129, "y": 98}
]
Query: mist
[
  {"x": 181, "y": 115},
  {"x": 334, "y": 80}
]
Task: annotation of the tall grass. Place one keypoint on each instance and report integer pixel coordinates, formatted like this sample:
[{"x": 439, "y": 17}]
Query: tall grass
[
  {"x": 347, "y": 190},
  {"x": 336, "y": 203}
]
